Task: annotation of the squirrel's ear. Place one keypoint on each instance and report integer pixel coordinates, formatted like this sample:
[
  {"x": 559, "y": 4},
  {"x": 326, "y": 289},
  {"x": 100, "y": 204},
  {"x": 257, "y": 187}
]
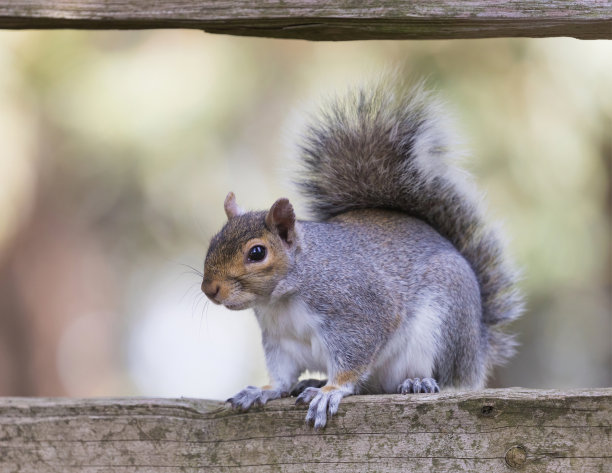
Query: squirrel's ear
[
  {"x": 231, "y": 207},
  {"x": 281, "y": 219}
]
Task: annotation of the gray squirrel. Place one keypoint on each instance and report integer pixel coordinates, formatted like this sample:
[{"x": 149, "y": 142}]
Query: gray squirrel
[{"x": 396, "y": 285}]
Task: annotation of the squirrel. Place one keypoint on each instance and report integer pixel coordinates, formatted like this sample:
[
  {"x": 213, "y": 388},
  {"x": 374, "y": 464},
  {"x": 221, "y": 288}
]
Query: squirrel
[{"x": 396, "y": 286}]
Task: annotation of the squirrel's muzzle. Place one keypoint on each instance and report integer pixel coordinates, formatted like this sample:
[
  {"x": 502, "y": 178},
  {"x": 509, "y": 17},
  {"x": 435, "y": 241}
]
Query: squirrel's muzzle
[{"x": 211, "y": 289}]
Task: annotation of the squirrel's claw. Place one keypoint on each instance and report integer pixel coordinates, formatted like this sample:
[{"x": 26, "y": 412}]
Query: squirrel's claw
[
  {"x": 418, "y": 385},
  {"x": 246, "y": 398},
  {"x": 322, "y": 405},
  {"x": 307, "y": 395},
  {"x": 252, "y": 395}
]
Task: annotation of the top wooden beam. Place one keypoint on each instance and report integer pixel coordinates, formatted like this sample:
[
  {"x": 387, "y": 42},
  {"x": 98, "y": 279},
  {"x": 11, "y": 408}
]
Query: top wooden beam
[{"x": 334, "y": 20}]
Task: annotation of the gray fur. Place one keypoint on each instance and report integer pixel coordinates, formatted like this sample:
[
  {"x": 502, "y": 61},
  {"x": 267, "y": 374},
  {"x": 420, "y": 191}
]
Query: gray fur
[
  {"x": 381, "y": 264},
  {"x": 384, "y": 147}
]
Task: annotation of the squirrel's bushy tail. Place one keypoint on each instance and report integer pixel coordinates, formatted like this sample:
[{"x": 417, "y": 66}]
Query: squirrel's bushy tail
[{"x": 385, "y": 147}]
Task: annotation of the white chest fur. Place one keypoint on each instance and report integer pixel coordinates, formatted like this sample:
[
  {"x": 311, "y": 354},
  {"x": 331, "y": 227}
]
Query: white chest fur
[{"x": 294, "y": 329}]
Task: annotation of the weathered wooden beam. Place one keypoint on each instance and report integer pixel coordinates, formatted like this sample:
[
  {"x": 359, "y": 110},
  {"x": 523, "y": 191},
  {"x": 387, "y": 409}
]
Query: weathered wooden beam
[
  {"x": 325, "y": 20},
  {"x": 488, "y": 431}
]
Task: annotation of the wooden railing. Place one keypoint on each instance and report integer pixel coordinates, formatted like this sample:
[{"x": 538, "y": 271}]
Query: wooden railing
[
  {"x": 487, "y": 431},
  {"x": 325, "y": 20}
]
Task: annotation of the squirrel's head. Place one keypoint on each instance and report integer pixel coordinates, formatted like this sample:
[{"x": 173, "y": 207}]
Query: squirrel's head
[{"x": 250, "y": 255}]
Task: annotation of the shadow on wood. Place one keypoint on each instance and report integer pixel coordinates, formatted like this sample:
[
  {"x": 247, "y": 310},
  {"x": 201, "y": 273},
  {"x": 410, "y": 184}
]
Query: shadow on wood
[{"x": 494, "y": 430}]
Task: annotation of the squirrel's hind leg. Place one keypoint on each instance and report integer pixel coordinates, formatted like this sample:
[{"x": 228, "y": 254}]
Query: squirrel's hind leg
[{"x": 418, "y": 385}]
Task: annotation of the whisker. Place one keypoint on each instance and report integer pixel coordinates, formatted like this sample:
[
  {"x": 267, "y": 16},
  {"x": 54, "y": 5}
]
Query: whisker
[
  {"x": 187, "y": 291},
  {"x": 203, "y": 315},
  {"x": 206, "y": 306},
  {"x": 191, "y": 273},
  {"x": 193, "y": 270},
  {"x": 197, "y": 298}
]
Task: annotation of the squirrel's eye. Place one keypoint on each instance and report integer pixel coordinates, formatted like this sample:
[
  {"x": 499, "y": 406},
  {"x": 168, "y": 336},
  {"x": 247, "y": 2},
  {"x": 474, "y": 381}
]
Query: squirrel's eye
[{"x": 257, "y": 253}]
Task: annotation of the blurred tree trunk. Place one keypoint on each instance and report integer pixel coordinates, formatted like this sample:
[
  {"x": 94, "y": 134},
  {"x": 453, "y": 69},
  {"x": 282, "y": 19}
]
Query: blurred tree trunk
[
  {"x": 15, "y": 335},
  {"x": 53, "y": 273}
]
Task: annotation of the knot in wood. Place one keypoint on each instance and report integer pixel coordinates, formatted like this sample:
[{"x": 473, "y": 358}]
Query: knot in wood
[{"x": 516, "y": 456}]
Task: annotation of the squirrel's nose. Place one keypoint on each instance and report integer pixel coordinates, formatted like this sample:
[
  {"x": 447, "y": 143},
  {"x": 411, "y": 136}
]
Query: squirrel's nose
[{"x": 211, "y": 289}]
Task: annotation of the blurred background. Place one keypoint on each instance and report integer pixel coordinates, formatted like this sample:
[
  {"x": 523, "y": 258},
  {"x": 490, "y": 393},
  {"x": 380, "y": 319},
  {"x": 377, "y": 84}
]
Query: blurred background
[{"x": 118, "y": 148}]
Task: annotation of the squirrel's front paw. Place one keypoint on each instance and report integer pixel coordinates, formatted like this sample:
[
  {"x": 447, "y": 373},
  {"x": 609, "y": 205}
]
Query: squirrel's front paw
[
  {"x": 252, "y": 395},
  {"x": 323, "y": 401},
  {"x": 418, "y": 385}
]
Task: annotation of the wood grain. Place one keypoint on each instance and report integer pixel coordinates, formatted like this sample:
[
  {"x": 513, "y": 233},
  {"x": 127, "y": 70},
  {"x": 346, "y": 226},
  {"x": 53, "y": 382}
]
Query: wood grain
[
  {"x": 325, "y": 20},
  {"x": 488, "y": 431}
]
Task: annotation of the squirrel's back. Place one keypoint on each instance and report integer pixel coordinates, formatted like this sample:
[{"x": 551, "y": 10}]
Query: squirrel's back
[{"x": 384, "y": 147}]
